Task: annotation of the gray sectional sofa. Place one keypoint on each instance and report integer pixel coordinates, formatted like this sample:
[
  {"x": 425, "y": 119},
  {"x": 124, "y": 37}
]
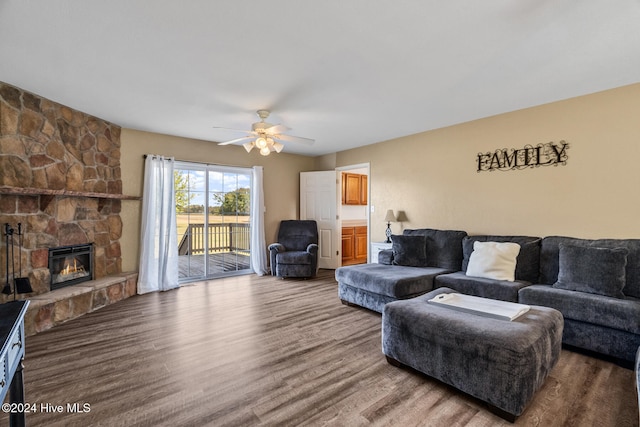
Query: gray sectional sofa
[
  {"x": 595, "y": 284},
  {"x": 428, "y": 253},
  {"x": 604, "y": 318}
]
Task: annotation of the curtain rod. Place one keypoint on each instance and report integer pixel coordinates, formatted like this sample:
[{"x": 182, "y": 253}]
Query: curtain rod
[
  {"x": 202, "y": 163},
  {"x": 152, "y": 155}
]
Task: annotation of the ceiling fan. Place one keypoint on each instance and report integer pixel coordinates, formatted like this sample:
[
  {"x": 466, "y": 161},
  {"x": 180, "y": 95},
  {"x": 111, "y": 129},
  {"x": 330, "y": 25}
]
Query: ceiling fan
[{"x": 265, "y": 136}]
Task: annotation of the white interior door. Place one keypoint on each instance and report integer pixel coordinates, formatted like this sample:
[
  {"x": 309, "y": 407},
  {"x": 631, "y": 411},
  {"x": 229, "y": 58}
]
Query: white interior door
[{"x": 318, "y": 201}]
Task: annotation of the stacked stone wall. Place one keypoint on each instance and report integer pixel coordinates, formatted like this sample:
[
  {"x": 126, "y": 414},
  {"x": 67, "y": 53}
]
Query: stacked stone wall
[{"x": 47, "y": 146}]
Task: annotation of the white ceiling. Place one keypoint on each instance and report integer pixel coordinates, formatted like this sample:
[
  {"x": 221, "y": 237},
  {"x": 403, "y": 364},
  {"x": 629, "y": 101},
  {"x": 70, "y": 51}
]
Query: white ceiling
[{"x": 346, "y": 73}]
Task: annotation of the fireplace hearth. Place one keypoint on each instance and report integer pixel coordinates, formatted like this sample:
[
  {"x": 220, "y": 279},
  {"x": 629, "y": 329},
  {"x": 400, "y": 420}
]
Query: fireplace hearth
[{"x": 69, "y": 265}]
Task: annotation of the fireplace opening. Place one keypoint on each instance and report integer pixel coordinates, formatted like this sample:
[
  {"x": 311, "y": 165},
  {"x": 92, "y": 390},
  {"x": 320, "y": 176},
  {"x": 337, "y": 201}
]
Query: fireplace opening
[{"x": 69, "y": 265}]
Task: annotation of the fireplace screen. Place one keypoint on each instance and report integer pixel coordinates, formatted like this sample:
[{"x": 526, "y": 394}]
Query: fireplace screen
[{"x": 69, "y": 265}]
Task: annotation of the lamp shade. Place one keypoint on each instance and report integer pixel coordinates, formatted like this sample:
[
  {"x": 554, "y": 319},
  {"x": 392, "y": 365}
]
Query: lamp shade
[
  {"x": 261, "y": 142},
  {"x": 402, "y": 216},
  {"x": 389, "y": 217},
  {"x": 278, "y": 147},
  {"x": 265, "y": 151},
  {"x": 249, "y": 146}
]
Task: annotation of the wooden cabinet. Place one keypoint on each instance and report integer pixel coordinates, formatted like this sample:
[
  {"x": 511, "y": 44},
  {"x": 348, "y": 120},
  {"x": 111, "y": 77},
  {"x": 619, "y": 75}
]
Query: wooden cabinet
[
  {"x": 348, "y": 246},
  {"x": 360, "y": 244},
  {"x": 363, "y": 189},
  {"x": 354, "y": 245},
  {"x": 351, "y": 186},
  {"x": 354, "y": 189}
]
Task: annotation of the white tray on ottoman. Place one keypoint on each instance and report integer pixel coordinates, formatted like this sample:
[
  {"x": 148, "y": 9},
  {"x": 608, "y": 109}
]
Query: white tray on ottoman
[
  {"x": 487, "y": 307},
  {"x": 500, "y": 362}
]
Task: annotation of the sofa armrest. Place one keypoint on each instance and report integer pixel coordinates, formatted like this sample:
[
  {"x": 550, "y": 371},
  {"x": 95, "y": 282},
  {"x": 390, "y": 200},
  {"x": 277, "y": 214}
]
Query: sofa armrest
[
  {"x": 274, "y": 248},
  {"x": 277, "y": 247},
  {"x": 312, "y": 248}
]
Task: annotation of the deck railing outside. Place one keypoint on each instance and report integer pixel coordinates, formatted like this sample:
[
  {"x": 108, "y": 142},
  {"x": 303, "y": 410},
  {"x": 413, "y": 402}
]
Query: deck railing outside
[{"x": 223, "y": 237}]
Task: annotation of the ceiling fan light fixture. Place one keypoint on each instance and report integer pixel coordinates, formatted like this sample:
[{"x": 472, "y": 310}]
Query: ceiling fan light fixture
[
  {"x": 249, "y": 146},
  {"x": 265, "y": 151},
  {"x": 262, "y": 136},
  {"x": 261, "y": 142},
  {"x": 277, "y": 147}
]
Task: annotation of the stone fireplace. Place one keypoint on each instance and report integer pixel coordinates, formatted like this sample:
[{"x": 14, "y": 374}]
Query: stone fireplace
[
  {"x": 69, "y": 265},
  {"x": 60, "y": 178}
]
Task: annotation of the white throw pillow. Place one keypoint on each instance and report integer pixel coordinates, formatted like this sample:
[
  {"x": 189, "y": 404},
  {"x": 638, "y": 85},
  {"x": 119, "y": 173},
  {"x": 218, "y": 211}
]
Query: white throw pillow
[{"x": 493, "y": 260}]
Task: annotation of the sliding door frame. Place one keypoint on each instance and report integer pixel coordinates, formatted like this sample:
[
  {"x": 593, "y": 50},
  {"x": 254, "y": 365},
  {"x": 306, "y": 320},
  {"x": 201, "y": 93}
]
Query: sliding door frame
[{"x": 207, "y": 169}]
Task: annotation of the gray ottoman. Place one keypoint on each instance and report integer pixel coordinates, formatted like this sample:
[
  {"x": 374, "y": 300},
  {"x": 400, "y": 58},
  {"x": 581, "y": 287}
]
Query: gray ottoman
[{"x": 499, "y": 362}]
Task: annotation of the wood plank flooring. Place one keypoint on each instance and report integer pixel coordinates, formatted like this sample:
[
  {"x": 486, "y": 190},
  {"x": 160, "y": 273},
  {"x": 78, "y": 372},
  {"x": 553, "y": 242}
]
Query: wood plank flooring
[
  {"x": 193, "y": 265},
  {"x": 249, "y": 350}
]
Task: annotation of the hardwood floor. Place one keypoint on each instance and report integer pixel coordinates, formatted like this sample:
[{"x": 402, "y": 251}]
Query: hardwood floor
[
  {"x": 193, "y": 265},
  {"x": 247, "y": 350}
]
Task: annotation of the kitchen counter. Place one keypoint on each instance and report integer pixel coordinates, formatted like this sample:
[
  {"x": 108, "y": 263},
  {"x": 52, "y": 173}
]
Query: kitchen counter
[{"x": 354, "y": 223}]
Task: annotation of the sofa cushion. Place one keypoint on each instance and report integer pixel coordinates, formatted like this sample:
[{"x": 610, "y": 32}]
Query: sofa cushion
[
  {"x": 550, "y": 263},
  {"x": 293, "y": 257},
  {"x": 443, "y": 247},
  {"x": 409, "y": 250},
  {"x": 616, "y": 313},
  {"x": 296, "y": 235},
  {"x": 591, "y": 269},
  {"x": 487, "y": 288},
  {"x": 385, "y": 257},
  {"x": 395, "y": 281},
  {"x": 493, "y": 260},
  {"x": 528, "y": 261}
]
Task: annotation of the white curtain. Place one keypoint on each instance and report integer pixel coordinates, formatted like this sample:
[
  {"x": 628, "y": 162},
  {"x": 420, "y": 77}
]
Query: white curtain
[
  {"x": 258, "y": 245},
  {"x": 158, "y": 241}
]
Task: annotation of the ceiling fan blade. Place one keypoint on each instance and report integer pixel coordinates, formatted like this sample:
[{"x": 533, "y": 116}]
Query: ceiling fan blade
[
  {"x": 276, "y": 129},
  {"x": 230, "y": 129},
  {"x": 296, "y": 139},
  {"x": 233, "y": 141}
]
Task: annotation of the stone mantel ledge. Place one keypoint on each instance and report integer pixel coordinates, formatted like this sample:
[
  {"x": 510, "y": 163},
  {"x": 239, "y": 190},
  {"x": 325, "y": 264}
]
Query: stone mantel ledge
[{"x": 19, "y": 191}]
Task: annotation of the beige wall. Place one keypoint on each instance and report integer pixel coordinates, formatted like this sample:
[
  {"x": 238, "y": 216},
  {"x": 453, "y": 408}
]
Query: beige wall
[
  {"x": 281, "y": 179},
  {"x": 432, "y": 176}
]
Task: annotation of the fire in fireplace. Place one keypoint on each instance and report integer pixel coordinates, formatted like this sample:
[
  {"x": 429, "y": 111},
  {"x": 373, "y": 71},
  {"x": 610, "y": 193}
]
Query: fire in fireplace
[{"x": 69, "y": 265}]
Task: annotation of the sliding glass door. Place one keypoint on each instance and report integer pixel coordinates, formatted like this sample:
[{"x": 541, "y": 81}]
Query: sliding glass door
[{"x": 213, "y": 208}]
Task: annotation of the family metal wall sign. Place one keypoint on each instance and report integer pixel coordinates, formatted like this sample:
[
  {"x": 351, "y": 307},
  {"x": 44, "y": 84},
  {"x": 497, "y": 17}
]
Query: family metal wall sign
[{"x": 502, "y": 159}]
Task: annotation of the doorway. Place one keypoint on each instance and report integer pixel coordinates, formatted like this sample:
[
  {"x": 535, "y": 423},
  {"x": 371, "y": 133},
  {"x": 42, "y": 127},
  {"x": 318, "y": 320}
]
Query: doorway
[
  {"x": 323, "y": 198},
  {"x": 213, "y": 209},
  {"x": 354, "y": 213}
]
